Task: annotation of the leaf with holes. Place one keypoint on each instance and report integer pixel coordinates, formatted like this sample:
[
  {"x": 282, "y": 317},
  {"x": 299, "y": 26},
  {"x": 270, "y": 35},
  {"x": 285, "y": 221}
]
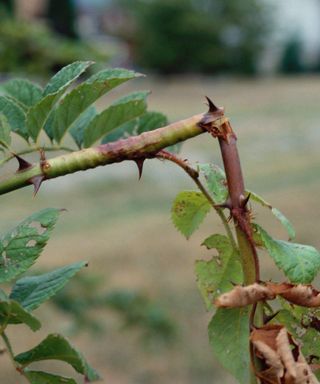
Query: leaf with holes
[
  {"x": 121, "y": 111},
  {"x": 39, "y": 113},
  {"x": 218, "y": 275},
  {"x": 5, "y": 138},
  {"x": 145, "y": 123},
  {"x": 56, "y": 347},
  {"x": 11, "y": 312},
  {"x": 303, "y": 324},
  {"x": 299, "y": 262},
  {"x": 81, "y": 97},
  {"x": 216, "y": 181},
  {"x": 188, "y": 211},
  {"x": 32, "y": 291},
  {"x": 15, "y": 116},
  {"x": 21, "y": 247},
  {"x": 229, "y": 339},
  {"x": 38, "y": 377},
  {"x": 24, "y": 92},
  {"x": 279, "y": 215}
]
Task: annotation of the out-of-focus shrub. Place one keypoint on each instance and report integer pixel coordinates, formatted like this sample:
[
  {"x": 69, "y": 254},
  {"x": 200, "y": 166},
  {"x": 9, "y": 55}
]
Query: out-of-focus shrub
[
  {"x": 212, "y": 36},
  {"x": 62, "y": 16},
  {"x": 31, "y": 48},
  {"x": 292, "y": 56}
]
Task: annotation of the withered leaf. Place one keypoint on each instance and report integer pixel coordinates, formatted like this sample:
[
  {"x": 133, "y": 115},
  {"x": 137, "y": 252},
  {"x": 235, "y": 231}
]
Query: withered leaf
[{"x": 241, "y": 296}]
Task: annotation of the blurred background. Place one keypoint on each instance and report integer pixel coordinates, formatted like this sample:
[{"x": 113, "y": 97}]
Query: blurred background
[{"x": 136, "y": 312}]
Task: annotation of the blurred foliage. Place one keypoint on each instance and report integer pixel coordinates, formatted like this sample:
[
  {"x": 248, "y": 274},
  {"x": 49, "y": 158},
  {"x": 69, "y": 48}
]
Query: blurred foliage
[
  {"x": 83, "y": 297},
  {"x": 32, "y": 49},
  {"x": 7, "y": 7},
  {"x": 62, "y": 16},
  {"x": 292, "y": 56},
  {"x": 211, "y": 36}
]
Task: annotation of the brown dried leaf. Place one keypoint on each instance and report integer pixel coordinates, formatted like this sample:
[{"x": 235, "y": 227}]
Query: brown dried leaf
[
  {"x": 304, "y": 295},
  {"x": 282, "y": 360},
  {"x": 271, "y": 357},
  {"x": 241, "y": 296},
  {"x": 285, "y": 353}
]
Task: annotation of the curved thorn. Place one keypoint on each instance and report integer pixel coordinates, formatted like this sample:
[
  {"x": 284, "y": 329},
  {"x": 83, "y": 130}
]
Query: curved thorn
[
  {"x": 140, "y": 163},
  {"x": 212, "y": 107},
  {"x": 23, "y": 164},
  {"x": 36, "y": 181}
]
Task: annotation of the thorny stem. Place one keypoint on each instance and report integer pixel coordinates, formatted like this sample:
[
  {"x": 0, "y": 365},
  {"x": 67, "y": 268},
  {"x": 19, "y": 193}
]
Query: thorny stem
[
  {"x": 136, "y": 148},
  {"x": 237, "y": 201},
  {"x": 36, "y": 149},
  {"x": 163, "y": 154}
]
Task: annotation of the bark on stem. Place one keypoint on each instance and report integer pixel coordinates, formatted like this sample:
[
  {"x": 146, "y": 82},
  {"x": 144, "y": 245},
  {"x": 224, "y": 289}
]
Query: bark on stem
[
  {"x": 236, "y": 201},
  {"x": 219, "y": 126},
  {"x": 134, "y": 148}
]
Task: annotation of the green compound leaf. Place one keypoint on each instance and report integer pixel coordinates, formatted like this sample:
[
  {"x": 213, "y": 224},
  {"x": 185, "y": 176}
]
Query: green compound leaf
[
  {"x": 23, "y": 91},
  {"x": 38, "y": 377},
  {"x": 56, "y": 347},
  {"x": 218, "y": 275},
  {"x": 66, "y": 76},
  {"x": 15, "y": 116},
  {"x": 5, "y": 129},
  {"x": 188, "y": 211},
  {"x": 300, "y": 263},
  {"x": 145, "y": 123},
  {"x": 123, "y": 110},
  {"x": 77, "y": 128},
  {"x": 39, "y": 113},
  {"x": 21, "y": 247},
  {"x": 81, "y": 97},
  {"x": 229, "y": 338},
  {"x": 32, "y": 291},
  {"x": 216, "y": 181},
  {"x": 279, "y": 215},
  {"x": 11, "y": 312}
]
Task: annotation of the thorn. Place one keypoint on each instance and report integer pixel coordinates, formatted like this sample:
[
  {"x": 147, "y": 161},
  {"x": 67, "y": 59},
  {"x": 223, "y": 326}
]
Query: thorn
[
  {"x": 36, "y": 181},
  {"x": 139, "y": 163},
  {"x": 23, "y": 164},
  {"x": 266, "y": 319},
  {"x": 244, "y": 200},
  {"x": 226, "y": 204},
  {"x": 212, "y": 107}
]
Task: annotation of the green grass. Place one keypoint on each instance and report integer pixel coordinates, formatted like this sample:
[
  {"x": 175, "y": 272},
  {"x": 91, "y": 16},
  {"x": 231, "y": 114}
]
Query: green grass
[{"x": 122, "y": 225}]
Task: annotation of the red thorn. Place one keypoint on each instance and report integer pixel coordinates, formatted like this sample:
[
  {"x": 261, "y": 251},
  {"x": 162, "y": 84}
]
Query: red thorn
[
  {"x": 36, "y": 181},
  {"x": 140, "y": 163},
  {"x": 212, "y": 107},
  {"x": 23, "y": 164}
]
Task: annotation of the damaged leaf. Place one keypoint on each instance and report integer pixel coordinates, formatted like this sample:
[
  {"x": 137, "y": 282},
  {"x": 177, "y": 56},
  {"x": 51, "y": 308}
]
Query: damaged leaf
[
  {"x": 242, "y": 296},
  {"x": 188, "y": 211},
  {"x": 281, "y": 357},
  {"x": 21, "y": 247},
  {"x": 217, "y": 275},
  {"x": 216, "y": 182}
]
